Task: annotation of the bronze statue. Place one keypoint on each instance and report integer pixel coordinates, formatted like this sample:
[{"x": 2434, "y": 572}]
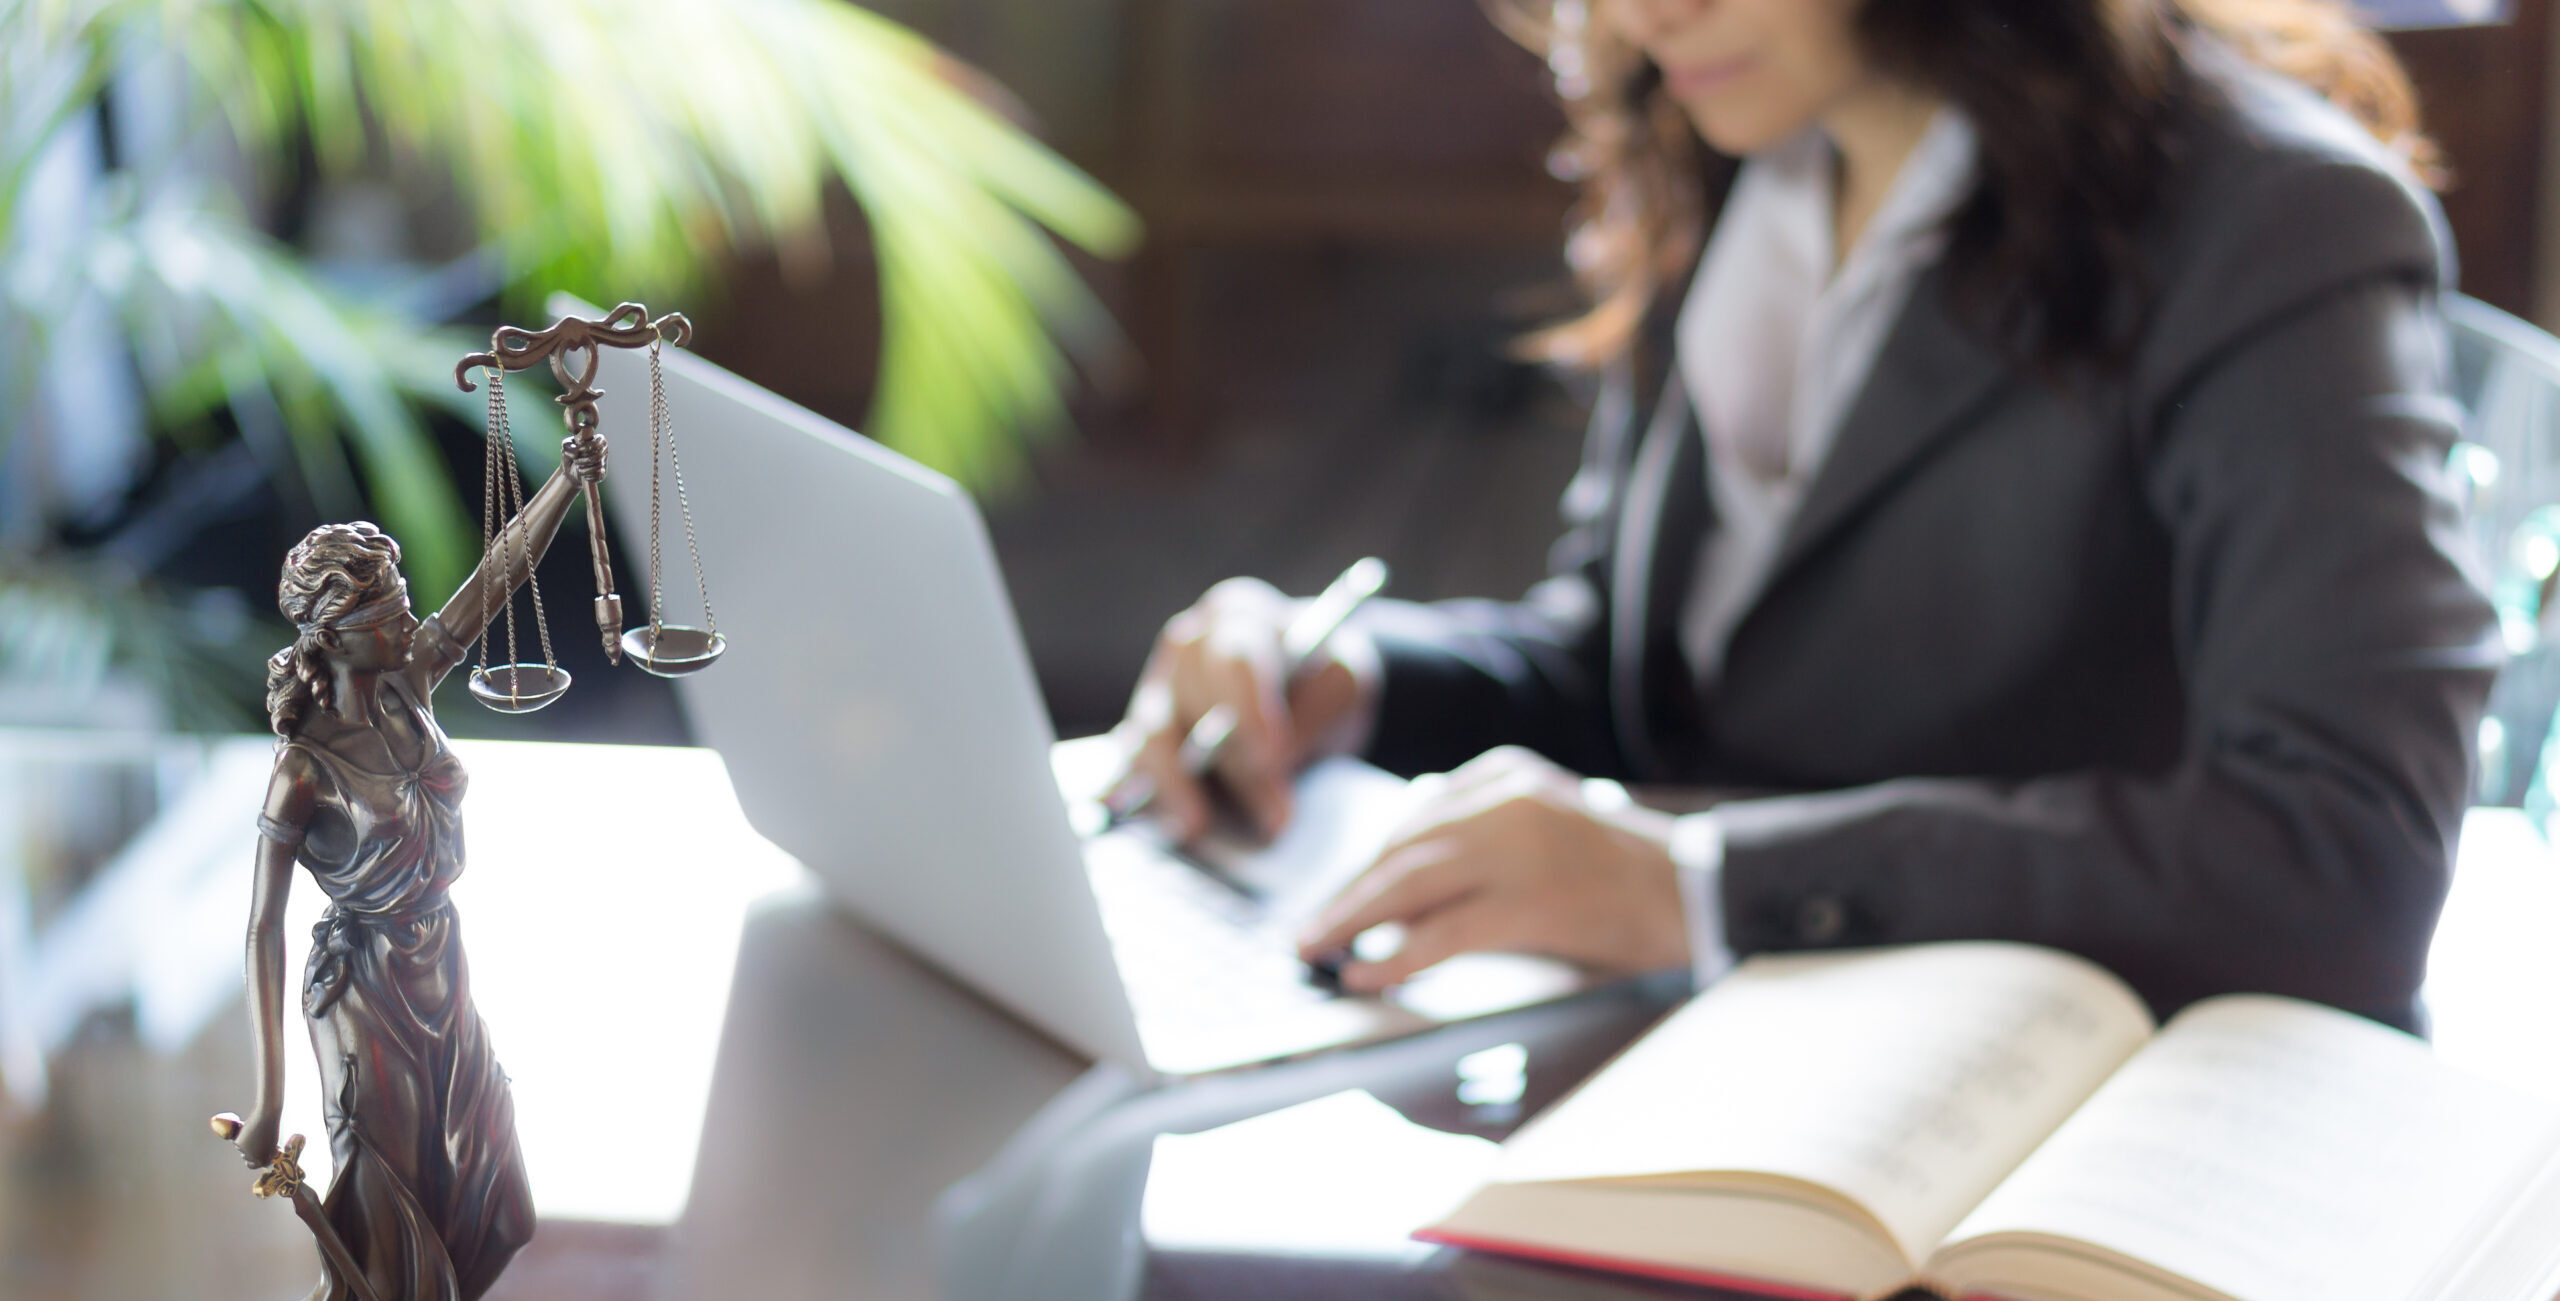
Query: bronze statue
[
  {"x": 429, "y": 1198},
  {"x": 429, "y": 1201}
]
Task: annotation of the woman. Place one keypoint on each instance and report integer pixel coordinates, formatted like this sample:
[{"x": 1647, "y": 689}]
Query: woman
[
  {"x": 429, "y": 1194},
  {"x": 2031, "y": 502}
]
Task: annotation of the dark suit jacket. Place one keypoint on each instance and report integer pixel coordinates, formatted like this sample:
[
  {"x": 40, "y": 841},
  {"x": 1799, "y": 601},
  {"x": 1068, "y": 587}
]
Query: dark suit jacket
[{"x": 2178, "y": 670}]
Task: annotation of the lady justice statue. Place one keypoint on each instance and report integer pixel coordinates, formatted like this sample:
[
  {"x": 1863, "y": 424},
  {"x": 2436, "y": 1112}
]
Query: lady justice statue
[{"x": 429, "y": 1201}]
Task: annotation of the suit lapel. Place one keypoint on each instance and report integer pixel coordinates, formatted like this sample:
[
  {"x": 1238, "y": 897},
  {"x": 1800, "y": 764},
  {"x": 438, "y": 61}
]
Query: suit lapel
[
  {"x": 1656, "y": 558},
  {"x": 1931, "y": 373}
]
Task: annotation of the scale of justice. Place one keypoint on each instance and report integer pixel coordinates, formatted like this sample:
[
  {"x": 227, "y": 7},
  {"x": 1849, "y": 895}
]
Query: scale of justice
[{"x": 665, "y": 649}]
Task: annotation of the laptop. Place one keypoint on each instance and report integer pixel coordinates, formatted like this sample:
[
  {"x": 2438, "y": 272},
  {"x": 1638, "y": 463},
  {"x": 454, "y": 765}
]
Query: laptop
[{"x": 879, "y": 717}]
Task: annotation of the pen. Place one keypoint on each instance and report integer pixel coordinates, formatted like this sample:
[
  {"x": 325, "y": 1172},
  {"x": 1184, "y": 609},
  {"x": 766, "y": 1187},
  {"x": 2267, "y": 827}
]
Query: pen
[{"x": 1305, "y": 635}]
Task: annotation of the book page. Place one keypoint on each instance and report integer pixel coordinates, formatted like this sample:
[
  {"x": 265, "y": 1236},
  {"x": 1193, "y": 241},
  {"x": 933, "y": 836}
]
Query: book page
[
  {"x": 2519, "y": 1256},
  {"x": 2274, "y": 1150},
  {"x": 1909, "y": 1080}
]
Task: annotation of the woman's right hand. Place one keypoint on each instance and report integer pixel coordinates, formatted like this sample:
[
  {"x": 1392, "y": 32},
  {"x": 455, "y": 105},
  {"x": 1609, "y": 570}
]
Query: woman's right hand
[
  {"x": 1226, "y": 651},
  {"x": 257, "y": 1137}
]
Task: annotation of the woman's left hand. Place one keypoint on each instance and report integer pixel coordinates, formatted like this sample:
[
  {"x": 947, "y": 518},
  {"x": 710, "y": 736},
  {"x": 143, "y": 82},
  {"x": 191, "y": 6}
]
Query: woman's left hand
[
  {"x": 584, "y": 455},
  {"x": 1509, "y": 854}
]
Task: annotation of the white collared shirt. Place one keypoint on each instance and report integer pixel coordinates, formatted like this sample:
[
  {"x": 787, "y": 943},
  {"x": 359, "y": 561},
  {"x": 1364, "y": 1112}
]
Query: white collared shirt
[{"x": 1773, "y": 348}]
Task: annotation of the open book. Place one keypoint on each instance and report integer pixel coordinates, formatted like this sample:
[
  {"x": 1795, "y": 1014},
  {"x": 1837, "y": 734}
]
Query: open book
[{"x": 2002, "y": 1120}]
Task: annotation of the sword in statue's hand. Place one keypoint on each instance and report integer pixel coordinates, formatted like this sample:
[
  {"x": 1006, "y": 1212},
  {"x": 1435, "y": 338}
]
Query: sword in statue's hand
[{"x": 283, "y": 1178}]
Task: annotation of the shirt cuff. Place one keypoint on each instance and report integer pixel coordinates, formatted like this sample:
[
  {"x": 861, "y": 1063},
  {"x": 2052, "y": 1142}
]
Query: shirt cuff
[{"x": 1697, "y": 849}]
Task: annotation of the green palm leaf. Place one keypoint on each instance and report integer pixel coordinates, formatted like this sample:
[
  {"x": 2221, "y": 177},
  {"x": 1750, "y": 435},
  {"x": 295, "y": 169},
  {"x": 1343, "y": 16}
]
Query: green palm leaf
[{"x": 616, "y": 149}]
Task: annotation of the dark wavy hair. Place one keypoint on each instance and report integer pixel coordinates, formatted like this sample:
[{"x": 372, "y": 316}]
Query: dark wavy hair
[
  {"x": 2074, "y": 103},
  {"x": 336, "y": 568}
]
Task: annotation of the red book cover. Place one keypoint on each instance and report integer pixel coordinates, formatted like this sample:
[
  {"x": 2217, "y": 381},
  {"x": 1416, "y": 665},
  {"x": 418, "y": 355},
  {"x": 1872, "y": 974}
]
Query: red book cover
[{"x": 1618, "y": 1265}]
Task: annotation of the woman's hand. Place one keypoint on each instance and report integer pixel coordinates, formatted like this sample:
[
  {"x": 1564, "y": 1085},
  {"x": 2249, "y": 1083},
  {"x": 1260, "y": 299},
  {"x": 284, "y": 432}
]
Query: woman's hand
[
  {"x": 584, "y": 455},
  {"x": 1226, "y": 651},
  {"x": 257, "y": 1137},
  {"x": 1508, "y": 854}
]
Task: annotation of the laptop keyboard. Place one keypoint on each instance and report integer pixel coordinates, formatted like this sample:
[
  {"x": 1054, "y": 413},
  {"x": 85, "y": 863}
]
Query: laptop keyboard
[{"x": 1192, "y": 948}]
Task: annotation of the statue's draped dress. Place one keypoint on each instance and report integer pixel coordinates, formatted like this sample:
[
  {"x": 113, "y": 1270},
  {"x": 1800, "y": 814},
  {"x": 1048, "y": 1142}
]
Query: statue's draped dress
[{"x": 430, "y": 1192}]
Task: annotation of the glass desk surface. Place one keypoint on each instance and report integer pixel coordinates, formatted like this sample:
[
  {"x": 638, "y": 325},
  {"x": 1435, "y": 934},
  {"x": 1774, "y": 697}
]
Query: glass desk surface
[
  {"x": 1318, "y": 1201},
  {"x": 605, "y": 902},
  {"x": 602, "y": 904}
]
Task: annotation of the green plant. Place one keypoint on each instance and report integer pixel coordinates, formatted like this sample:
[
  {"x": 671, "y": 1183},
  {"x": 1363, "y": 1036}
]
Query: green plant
[{"x": 615, "y": 150}]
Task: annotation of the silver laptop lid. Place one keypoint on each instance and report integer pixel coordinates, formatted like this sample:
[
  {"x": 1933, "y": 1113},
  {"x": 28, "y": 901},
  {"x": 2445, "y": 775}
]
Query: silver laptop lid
[{"x": 876, "y": 707}]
